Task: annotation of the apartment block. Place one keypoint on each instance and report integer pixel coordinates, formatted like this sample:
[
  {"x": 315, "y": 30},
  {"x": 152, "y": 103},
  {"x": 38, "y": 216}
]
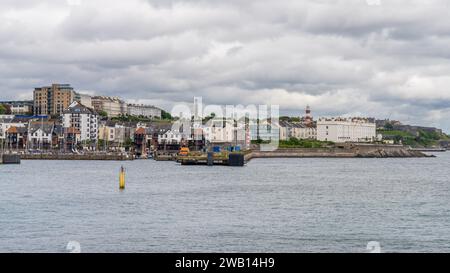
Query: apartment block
[
  {"x": 341, "y": 130},
  {"x": 83, "y": 120},
  {"x": 53, "y": 100}
]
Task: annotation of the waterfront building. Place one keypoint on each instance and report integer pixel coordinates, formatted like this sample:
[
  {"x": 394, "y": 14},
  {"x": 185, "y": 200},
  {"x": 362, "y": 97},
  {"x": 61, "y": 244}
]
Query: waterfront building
[
  {"x": 8, "y": 121},
  {"x": 115, "y": 134},
  {"x": 264, "y": 130},
  {"x": 219, "y": 131},
  {"x": 40, "y": 135},
  {"x": 154, "y": 131},
  {"x": 226, "y": 133},
  {"x": 170, "y": 137},
  {"x": 58, "y": 136},
  {"x": 82, "y": 118},
  {"x": 341, "y": 130},
  {"x": 72, "y": 137},
  {"x": 140, "y": 110},
  {"x": 297, "y": 130},
  {"x": 16, "y": 138},
  {"x": 53, "y": 100},
  {"x": 113, "y": 106},
  {"x": 140, "y": 141}
]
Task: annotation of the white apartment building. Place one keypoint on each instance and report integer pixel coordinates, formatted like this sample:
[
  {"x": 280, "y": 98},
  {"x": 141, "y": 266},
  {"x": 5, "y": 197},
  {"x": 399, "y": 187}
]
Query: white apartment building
[
  {"x": 341, "y": 130},
  {"x": 144, "y": 111},
  {"x": 83, "y": 119}
]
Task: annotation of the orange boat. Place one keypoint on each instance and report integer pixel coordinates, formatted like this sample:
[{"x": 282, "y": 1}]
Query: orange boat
[{"x": 184, "y": 151}]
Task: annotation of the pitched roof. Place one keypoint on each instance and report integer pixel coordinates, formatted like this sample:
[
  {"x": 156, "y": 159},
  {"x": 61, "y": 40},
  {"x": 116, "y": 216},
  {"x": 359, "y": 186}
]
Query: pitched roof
[
  {"x": 46, "y": 127},
  {"x": 159, "y": 128},
  {"x": 12, "y": 130},
  {"x": 78, "y": 108},
  {"x": 287, "y": 124},
  {"x": 140, "y": 131}
]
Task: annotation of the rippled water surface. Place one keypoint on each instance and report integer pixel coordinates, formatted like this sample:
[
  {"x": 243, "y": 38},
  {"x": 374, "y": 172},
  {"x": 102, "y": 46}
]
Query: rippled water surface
[{"x": 271, "y": 205}]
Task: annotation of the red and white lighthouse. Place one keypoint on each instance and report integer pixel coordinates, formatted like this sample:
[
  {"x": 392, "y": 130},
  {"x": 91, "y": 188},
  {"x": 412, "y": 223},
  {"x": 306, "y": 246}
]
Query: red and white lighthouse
[{"x": 308, "y": 117}]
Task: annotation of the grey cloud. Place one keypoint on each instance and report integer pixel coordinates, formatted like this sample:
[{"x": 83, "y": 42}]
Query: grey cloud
[{"x": 342, "y": 57}]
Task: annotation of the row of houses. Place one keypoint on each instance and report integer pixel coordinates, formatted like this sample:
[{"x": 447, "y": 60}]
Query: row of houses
[
  {"x": 30, "y": 133},
  {"x": 338, "y": 130},
  {"x": 53, "y": 100},
  {"x": 115, "y": 107},
  {"x": 81, "y": 127}
]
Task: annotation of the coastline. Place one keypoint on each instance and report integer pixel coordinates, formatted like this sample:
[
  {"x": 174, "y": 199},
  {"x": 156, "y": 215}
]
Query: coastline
[{"x": 346, "y": 151}]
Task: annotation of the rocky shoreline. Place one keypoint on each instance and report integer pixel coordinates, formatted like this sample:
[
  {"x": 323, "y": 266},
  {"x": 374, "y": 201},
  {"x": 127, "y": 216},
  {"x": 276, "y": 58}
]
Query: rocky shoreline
[{"x": 401, "y": 153}]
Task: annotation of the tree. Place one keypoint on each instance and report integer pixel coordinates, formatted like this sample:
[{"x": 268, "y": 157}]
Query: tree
[
  {"x": 388, "y": 126},
  {"x": 166, "y": 115},
  {"x": 2, "y": 109},
  {"x": 128, "y": 143},
  {"x": 103, "y": 114},
  {"x": 210, "y": 117}
]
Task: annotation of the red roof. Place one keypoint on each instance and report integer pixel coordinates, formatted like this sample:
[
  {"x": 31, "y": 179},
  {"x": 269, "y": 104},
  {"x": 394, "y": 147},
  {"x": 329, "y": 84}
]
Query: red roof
[
  {"x": 73, "y": 130},
  {"x": 12, "y": 130},
  {"x": 140, "y": 131}
]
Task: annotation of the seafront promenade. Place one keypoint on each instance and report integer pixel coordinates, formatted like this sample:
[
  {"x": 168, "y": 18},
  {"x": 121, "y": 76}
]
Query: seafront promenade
[
  {"x": 89, "y": 156},
  {"x": 69, "y": 156}
]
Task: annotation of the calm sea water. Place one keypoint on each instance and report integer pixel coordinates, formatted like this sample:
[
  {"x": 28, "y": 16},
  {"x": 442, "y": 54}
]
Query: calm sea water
[{"x": 271, "y": 205}]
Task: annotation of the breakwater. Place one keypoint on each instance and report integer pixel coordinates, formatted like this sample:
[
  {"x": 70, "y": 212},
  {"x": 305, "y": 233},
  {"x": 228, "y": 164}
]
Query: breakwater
[
  {"x": 108, "y": 157},
  {"x": 347, "y": 151}
]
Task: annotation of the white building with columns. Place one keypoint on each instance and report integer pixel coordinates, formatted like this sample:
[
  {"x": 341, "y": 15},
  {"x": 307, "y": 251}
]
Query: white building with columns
[{"x": 341, "y": 130}]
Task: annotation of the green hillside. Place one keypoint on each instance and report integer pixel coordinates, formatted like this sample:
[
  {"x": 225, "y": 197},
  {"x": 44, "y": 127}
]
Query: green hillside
[{"x": 422, "y": 139}]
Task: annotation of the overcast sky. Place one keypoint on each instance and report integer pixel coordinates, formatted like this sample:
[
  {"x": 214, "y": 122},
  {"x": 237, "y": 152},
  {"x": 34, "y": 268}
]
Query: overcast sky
[{"x": 387, "y": 59}]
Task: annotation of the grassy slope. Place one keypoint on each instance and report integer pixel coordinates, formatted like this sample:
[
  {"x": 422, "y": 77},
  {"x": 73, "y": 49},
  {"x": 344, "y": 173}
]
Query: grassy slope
[
  {"x": 304, "y": 143},
  {"x": 424, "y": 139}
]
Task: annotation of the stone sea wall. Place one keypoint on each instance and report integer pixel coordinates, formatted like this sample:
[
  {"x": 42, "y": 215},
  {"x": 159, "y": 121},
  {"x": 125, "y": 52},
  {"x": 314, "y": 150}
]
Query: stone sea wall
[{"x": 347, "y": 151}]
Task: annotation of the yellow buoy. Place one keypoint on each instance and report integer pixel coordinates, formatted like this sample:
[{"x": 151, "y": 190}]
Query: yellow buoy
[{"x": 122, "y": 178}]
